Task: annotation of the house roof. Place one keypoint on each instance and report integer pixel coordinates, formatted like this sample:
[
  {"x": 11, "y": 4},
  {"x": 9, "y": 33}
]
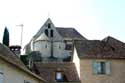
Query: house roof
[
  {"x": 70, "y": 33},
  {"x": 100, "y": 49},
  {"x": 48, "y": 71},
  {"x": 65, "y": 32},
  {"x": 113, "y": 42},
  {"x": 42, "y": 37},
  {"x": 7, "y": 55}
]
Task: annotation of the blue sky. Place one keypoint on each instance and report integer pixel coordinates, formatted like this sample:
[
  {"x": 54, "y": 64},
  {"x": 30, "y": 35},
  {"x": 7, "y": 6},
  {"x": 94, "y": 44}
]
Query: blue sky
[{"x": 94, "y": 19}]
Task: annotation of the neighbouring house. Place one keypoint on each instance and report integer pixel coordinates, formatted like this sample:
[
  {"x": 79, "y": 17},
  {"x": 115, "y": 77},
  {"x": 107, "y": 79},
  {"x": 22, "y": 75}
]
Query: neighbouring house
[
  {"x": 101, "y": 61},
  {"x": 12, "y": 70},
  {"x": 61, "y": 54}
]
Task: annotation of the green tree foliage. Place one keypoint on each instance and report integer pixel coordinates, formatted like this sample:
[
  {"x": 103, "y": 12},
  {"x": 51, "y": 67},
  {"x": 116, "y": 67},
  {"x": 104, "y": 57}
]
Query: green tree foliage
[
  {"x": 6, "y": 37},
  {"x": 35, "y": 56},
  {"x": 24, "y": 59}
]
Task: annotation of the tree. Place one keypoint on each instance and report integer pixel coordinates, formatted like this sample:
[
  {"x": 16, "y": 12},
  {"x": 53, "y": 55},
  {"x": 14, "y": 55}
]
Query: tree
[{"x": 6, "y": 37}]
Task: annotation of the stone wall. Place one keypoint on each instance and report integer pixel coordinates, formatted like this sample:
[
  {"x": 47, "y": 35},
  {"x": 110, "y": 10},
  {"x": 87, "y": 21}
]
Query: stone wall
[{"x": 117, "y": 73}]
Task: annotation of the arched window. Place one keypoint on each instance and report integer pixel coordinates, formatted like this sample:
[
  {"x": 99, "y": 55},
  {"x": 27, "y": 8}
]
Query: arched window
[
  {"x": 51, "y": 33},
  {"x": 49, "y": 25},
  {"x": 46, "y": 32}
]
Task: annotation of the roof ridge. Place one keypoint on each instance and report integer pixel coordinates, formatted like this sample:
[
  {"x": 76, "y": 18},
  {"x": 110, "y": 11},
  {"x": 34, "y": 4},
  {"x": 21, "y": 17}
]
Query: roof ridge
[
  {"x": 94, "y": 49},
  {"x": 110, "y": 37},
  {"x": 66, "y": 27}
]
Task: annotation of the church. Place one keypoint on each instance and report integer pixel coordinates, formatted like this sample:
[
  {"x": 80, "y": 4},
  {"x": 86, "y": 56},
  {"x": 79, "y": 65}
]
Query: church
[
  {"x": 61, "y": 54},
  {"x": 53, "y": 47}
]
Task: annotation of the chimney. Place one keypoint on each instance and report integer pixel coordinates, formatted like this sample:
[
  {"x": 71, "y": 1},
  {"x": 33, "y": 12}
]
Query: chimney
[{"x": 16, "y": 49}]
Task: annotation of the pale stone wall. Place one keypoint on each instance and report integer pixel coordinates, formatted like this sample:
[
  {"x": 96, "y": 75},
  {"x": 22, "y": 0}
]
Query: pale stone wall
[
  {"x": 117, "y": 74},
  {"x": 59, "y": 49},
  {"x": 40, "y": 44},
  {"x": 14, "y": 75},
  {"x": 44, "y": 47}
]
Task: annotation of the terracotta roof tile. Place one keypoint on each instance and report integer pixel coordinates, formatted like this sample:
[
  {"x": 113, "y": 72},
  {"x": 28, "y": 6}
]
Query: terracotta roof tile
[
  {"x": 100, "y": 49},
  {"x": 48, "y": 70},
  {"x": 6, "y": 54},
  {"x": 113, "y": 42}
]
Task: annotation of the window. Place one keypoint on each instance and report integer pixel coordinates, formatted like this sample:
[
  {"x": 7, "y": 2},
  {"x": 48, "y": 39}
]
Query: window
[
  {"x": 101, "y": 67},
  {"x": 49, "y": 25},
  {"x": 68, "y": 47},
  {"x": 59, "y": 76},
  {"x": 46, "y": 32},
  {"x": 51, "y": 33}
]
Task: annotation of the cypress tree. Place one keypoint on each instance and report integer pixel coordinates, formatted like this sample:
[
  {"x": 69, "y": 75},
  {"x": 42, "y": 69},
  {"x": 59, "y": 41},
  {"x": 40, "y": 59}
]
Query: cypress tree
[{"x": 6, "y": 37}]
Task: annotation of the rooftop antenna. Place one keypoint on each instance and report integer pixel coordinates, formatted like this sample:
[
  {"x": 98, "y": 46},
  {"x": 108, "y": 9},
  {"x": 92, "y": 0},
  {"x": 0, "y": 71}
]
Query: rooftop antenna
[{"x": 21, "y": 25}]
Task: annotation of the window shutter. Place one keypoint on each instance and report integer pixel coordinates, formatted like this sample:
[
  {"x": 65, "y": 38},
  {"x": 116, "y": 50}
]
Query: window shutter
[
  {"x": 94, "y": 67},
  {"x": 108, "y": 70}
]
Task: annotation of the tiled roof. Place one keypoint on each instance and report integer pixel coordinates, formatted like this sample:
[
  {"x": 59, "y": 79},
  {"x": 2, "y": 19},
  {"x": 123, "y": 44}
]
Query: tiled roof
[
  {"x": 63, "y": 31},
  {"x": 6, "y": 54},
  {"x": 100, "y": 49},
  {"x": 66, "y": 33},
  {"x": 113, "y": 42},
  {"x": 48, "y": 70},
  {"x": 10, "y": 57},
  {"x": 70, "y": 33}
]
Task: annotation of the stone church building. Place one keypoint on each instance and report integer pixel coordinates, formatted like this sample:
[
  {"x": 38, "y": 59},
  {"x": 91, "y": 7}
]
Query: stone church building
[{"x": 59, "y": 54}]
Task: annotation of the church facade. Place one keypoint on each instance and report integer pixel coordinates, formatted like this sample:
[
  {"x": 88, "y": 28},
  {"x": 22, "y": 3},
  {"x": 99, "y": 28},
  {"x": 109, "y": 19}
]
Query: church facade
[
  {"x": 54, "y": 48},
  {"x": 56, "y": 42},
  {"x": 60, "y": 54}
]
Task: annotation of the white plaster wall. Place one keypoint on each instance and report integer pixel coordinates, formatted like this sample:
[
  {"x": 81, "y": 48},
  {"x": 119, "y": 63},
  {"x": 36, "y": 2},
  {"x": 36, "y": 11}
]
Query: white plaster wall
[
  {"x": 44, "y": 47},
  {"x": 76, "y": 60},
  {"x": 15, "y": 75}
]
